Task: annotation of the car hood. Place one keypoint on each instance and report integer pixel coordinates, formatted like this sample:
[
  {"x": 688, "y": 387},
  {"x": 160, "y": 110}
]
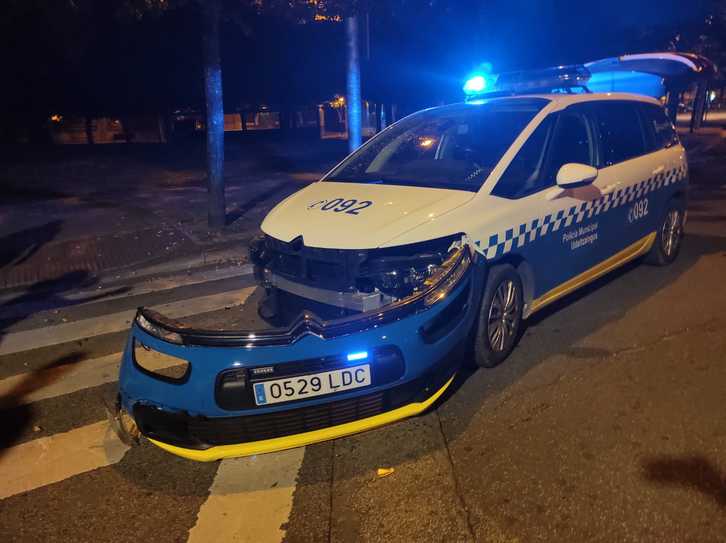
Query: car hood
[{"x": 379, "y": 213}]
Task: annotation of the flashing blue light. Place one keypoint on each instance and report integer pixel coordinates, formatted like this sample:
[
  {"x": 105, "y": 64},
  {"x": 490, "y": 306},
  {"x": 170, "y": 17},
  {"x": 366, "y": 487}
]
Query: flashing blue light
[
  {"x": 362, "y": 355},
  {"x": 475, "y": 84}
]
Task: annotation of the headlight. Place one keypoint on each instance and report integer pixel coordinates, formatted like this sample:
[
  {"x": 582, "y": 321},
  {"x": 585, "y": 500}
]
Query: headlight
[
  {"x": 448, "y": 275},
  {"x": 160, "y": 364},
  {"x": 401, "y": 277}
]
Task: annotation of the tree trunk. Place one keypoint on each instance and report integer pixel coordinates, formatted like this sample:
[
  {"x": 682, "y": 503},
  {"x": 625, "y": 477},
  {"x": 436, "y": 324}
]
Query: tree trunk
[
  {"x": 126, "y": 128},
  {"x": 89, "y": 130},
  {"x": 353, "y": 99},
  {"x": 215, "y": 113}
]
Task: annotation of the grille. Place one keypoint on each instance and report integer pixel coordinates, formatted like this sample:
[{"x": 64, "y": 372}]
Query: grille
[
  {"x": 221, "y": 431},
  {"x": 319, "y": 270},
  {"x": 287, "y": 264},
  {"x": 333, "y": 269}
]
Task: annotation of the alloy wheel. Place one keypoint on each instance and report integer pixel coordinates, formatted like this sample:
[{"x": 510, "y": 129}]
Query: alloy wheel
[
  {"x": 671, "y": 232},
  {"x": 503, "y": 316}
]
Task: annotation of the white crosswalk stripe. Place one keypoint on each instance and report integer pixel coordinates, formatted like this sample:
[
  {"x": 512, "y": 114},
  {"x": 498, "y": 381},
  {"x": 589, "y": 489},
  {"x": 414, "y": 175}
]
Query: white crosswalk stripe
[
  {"x": 250, "y": 499},
  {"x": 69, "y": 378},
  {"x": 15, "y": 342},
  {"x": 157, "y": 285},
  {"x": 51, "y": 459}
]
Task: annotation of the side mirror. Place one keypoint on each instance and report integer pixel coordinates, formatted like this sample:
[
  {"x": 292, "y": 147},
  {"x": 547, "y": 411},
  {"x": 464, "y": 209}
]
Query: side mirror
[{"x": 572, "y": 175}]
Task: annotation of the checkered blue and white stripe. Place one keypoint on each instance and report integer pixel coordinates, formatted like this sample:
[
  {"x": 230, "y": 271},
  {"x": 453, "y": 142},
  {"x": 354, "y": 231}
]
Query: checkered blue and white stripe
[{"x": 513, "y": 238}]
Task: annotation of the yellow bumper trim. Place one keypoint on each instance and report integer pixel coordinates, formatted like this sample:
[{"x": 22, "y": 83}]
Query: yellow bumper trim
[
  {"x": 298, "y": 440},
  {"x": 638, "y": 248}
]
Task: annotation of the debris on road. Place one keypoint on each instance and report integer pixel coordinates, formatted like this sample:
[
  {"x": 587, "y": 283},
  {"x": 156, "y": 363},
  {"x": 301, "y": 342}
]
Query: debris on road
[{"x": 385, "y": 472}]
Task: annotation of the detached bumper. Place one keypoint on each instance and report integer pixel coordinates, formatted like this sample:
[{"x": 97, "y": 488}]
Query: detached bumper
[
  {"x": 211, "y": 411},
  {"x": 306, "y": 438}
]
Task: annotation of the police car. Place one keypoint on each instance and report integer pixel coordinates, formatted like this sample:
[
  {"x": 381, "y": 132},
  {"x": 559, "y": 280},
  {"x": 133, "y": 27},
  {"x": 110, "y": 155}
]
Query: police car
[{"x": 437, "y": 238}]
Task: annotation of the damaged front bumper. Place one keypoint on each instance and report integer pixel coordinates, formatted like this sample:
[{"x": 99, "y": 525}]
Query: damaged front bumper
[{"x": 209, "y": 411}]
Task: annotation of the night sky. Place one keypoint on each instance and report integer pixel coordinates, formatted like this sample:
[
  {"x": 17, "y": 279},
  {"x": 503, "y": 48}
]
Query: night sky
[{"x": 95, "y": 59}]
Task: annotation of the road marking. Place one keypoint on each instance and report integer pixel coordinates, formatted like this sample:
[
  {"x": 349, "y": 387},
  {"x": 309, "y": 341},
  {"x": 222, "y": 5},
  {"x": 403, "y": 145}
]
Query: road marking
[
  {"x": 16, "y": 342},
  {"x": 157, "y": 285},
  {"x": 185, "y": 280},
  {"x": 39, "y": 385},
  {"x": 250, "y": 499},
  {"x": 51, "y": 459}
]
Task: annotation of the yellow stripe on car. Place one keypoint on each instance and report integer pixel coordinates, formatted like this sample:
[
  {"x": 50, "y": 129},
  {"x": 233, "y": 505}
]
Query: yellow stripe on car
[{"x": 299, "y": 440}]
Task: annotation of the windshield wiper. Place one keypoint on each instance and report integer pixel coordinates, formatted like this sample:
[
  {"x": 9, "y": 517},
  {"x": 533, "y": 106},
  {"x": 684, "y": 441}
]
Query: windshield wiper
[{"x": 366, "y": 180}]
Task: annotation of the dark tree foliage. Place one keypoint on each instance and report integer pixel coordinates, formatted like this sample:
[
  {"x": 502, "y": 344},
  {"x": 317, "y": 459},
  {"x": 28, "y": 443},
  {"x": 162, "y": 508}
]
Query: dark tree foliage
[
  {"x": 239, "y": 12},
  {"x": 116, "y": 57}
]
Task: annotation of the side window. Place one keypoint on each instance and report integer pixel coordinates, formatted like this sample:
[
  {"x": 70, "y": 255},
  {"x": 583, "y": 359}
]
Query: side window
[
  {"x": 658, "y": 127},
  {"x": 572, "y": 142},
  {"x": 620, "y": 132},
  {"x": 525, "y": 174}
]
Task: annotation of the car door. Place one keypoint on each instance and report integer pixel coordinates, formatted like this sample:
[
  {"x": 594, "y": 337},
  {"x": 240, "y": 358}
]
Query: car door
[
  {"x": 552, "y": 229},
  {"x": 667, "y": 154},
  {"x": 627, "y": 171}
]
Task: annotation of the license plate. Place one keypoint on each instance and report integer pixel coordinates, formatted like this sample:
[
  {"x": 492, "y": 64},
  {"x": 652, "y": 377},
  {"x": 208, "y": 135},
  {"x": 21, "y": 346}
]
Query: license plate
[{"x": 314, "y": 384}]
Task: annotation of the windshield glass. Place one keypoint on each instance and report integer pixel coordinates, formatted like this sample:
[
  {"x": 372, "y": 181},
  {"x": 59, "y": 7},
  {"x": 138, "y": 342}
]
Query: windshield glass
[{"x": 453, "y": 147}]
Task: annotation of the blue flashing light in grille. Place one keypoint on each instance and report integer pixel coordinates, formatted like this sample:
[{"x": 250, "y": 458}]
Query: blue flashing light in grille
[{"x": 362, "y": 355}]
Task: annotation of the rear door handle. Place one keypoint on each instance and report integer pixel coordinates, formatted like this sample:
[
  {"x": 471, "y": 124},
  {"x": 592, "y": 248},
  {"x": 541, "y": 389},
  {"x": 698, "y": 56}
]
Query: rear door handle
[{"x": 659, "y": 169}]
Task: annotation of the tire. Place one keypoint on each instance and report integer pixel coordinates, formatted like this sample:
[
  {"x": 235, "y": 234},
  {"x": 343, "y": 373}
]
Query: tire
[
  {"x": 494, "y": 335},
  {"x": 669, "y": 236}
]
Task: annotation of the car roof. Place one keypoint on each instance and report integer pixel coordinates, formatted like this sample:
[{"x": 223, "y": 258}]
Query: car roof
[
  {"x": 567, "y": 99},
  {"x": 557, "y": 101}
]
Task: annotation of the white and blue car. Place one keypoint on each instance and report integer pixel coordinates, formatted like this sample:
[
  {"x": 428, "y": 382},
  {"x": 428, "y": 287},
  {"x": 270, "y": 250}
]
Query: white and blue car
[{"x": 431, "y": 244}]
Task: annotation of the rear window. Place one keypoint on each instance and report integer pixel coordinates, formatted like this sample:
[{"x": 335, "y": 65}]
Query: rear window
[
  {"x": 619, "y": 131},
  {"x": 659, "y": 128},
  {"x": 453, "y": 147}
]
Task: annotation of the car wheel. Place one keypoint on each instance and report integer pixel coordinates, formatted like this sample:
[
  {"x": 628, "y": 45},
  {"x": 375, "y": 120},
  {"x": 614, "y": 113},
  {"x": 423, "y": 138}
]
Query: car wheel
[
  {"x": 669, "y": 236},
  {"x": 500, "y": 317}
]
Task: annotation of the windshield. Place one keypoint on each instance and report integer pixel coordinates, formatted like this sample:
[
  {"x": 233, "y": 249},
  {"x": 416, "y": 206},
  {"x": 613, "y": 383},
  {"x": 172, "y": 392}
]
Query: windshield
[{"x": 453, "y": 147}]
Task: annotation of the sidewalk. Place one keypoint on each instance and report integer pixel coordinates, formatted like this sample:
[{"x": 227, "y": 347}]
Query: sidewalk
[{"x": 94, "y": 212}]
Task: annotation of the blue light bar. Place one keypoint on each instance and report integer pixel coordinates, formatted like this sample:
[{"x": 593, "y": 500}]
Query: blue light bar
[
  {"x": 475, "y": 84},
  {"x": 546, "y": 80},
  {"x": 483, "y": 84},
  {"x": 362, "y": 355},
  {"x": 481, "y": 80}
]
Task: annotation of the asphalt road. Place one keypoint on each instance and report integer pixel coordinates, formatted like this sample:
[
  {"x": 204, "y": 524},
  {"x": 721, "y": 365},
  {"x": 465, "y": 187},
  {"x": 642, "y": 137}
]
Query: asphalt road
[{"x": 606, "y": 424}]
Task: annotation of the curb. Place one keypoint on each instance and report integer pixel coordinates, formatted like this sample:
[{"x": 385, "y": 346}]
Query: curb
[
  {"x": 228, "y": 256},
  {"x": 215, "y": 258}
]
